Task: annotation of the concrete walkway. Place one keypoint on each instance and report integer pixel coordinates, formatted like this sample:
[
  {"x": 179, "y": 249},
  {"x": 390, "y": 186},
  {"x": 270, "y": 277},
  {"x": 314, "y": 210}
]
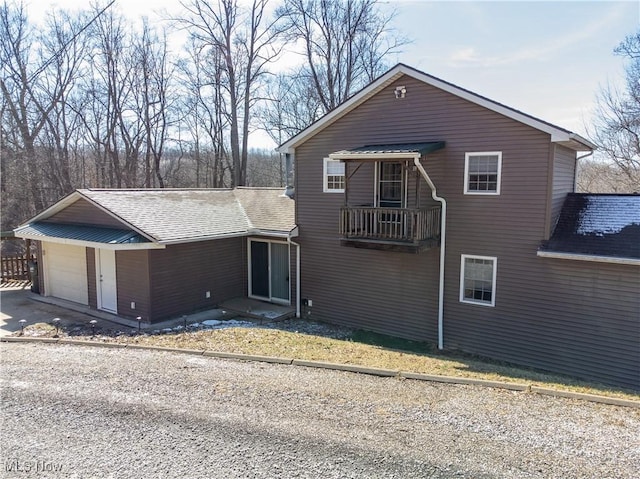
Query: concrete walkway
[{"x": 18, "y": 302}]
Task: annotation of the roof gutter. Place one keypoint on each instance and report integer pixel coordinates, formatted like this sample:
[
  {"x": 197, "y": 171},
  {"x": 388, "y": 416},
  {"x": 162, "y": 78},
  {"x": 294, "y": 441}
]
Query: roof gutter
[
  {"x": 588, "y": 257},
  {"x": 443, "y": 230}
]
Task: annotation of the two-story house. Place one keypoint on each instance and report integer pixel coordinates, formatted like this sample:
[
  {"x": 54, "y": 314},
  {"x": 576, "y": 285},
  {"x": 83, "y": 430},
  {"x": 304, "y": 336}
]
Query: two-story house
[{"x": 426, "y": 211}]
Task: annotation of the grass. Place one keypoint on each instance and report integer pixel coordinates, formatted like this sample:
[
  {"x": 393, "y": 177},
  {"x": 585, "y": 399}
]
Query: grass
[{"x": 360, "y": 348}]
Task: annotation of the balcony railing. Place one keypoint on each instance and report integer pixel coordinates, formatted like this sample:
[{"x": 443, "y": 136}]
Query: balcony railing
[{"x": 390, "y": 224}]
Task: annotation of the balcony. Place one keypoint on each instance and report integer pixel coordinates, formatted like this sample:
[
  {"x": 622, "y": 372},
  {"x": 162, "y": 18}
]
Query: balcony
[{"x": 398, "y": 229}]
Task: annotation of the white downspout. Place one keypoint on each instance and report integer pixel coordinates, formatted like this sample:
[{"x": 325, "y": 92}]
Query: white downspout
[
  {"x": 443, "y": 230},
  {"x": 575, "y": 171},
  {"x": 297, "y": 245}
]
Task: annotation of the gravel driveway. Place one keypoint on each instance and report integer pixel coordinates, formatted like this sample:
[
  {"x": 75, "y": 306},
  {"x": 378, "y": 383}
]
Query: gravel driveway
[{"x": 82, "y": 412}]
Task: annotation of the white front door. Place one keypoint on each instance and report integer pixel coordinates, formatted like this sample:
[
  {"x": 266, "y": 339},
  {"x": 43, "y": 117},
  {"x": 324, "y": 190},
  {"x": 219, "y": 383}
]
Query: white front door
[{"x": 107, "y": 291}]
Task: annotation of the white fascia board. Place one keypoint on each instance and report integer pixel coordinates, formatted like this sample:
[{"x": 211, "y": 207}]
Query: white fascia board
[
  {"x": 558, "y": 135},
  {"x": 72, "y": 198},
  {"x": 273, "y": 233},
  {"x": 237, "y": 234},
  {"x": 588, "y": 257},
  {"x": 54, "y": 208},
  {"x": 373, "y": 156},
  {"x": 116, "y": 217},
  {"x": 91, "y": 244},
  {"x": 341, "y": 110}
]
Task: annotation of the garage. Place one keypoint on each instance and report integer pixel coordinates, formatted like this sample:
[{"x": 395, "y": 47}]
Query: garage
[{"x": 66, "y": 272}]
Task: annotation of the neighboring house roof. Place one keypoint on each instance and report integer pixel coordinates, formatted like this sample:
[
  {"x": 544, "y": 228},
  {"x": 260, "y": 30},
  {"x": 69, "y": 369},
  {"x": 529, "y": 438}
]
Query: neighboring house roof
[
  {"x": 558, "y": 134},
  {"x": 597, "y": 225},
  {"x": 166, "y": 216}
]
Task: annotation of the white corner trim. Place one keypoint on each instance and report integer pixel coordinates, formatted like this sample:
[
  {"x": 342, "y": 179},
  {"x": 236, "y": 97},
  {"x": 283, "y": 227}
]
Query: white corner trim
[{"x": 588, "y": 257}]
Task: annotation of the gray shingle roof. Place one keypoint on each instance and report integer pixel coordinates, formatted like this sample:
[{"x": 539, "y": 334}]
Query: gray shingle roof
[
  {"x": 267, "y": 208},
  {"x": 598, "y": 224},
  {"x": 175, "y": 215}
]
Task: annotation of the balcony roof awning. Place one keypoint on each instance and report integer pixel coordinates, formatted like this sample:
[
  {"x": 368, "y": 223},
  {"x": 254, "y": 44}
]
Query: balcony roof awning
[{"x": 400, "y": 151}]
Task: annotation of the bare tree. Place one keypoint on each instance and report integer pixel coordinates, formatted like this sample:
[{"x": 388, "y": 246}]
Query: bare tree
[
  {"x": 616, "y": 127},
  {"x": 245, "y": 43},
  {"x": 289, "y": 106},
  {"x": 115, "y": 103},
  {"x": 152, "y": 82},
  {"x": 203, "y": 118},
  {"x": 345, "y": 44},
  {"x": 39, "y": 69}
]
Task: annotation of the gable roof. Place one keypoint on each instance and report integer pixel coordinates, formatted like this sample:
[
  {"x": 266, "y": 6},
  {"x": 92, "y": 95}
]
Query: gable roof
[
  {"x": 166, "y": 216},
  {"x": 602, "y": 225},
  {"x": 558, "y": 134}
]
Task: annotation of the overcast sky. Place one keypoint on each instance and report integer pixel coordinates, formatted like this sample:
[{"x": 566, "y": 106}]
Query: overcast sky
[{"x": 547, "y": 59}]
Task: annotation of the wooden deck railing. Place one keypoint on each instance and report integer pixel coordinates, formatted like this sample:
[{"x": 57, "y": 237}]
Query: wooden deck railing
[
  {"x": 15, "y": 267},
  {"x": 390, "y": 224}
]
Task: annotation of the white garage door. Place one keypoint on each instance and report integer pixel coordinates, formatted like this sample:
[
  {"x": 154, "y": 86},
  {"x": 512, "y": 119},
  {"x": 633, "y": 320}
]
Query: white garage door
[{"x": 66, "y": 272}]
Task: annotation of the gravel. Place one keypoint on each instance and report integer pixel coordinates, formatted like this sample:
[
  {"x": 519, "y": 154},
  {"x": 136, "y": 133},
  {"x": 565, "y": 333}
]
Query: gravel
[{"x": 78, "y": 412}]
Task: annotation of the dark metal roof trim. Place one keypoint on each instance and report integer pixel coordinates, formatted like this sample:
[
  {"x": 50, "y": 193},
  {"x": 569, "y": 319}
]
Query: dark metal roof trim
[
  {"x": 422, "y": 148},
  {"x": 394, "y": 150},
  {"x": 93, "y": 234}
]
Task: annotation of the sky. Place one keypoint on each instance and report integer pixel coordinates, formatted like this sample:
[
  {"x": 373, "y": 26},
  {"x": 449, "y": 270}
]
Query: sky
[{"x": 547, "y": 59}]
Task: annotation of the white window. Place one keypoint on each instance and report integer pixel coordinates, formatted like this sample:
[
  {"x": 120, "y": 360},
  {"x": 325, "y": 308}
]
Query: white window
[
  {"x": 333, "y": 173},
  {"x": 482, "y": 173},
  {"x": 478, "y": 280}
]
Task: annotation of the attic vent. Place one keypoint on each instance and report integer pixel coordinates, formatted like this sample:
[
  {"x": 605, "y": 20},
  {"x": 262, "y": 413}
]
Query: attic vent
[{"x": 401, "y": 91}]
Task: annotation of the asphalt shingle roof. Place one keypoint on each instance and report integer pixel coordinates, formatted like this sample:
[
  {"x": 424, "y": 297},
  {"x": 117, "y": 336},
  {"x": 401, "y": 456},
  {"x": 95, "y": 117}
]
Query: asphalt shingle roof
[
  {"x": 174, "y": 215},
  {"x": 598, "y": 224}
]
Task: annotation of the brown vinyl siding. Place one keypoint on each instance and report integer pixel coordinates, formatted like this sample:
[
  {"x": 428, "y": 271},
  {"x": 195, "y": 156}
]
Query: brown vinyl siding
[
  {"x": 181, "y": 274},
  {"x": 534, "y": 321},
  {"x": 84, "y": 213},
  {"x": 91, "y": 278},
  {"x": 132, "y": 273},
  {"x": 564, "y": 170}
]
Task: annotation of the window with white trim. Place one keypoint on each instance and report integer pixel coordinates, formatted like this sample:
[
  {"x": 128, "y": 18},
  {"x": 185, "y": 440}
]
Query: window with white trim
[
  {"x": 482, "y": 171},
  {"x": 478, "y": 279},
  {"x": 333, "y": 174}
]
